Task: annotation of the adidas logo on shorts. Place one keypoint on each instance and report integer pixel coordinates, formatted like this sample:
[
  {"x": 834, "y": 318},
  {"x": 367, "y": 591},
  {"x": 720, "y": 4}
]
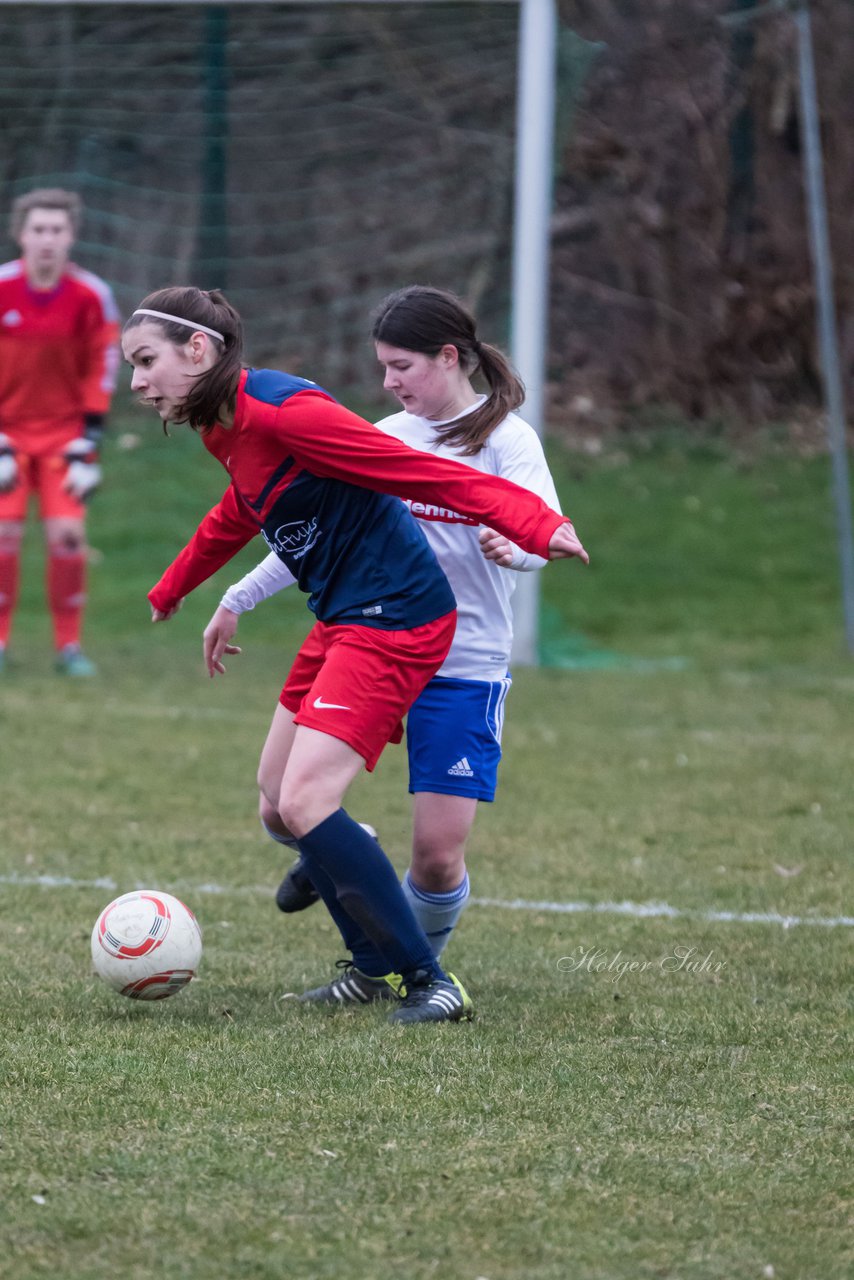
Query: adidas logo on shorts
[{"x": 462, "y": 769}]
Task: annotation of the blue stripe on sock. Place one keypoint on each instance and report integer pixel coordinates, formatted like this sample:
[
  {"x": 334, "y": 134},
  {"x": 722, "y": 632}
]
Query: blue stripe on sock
[{"x": 439, "y": 899}]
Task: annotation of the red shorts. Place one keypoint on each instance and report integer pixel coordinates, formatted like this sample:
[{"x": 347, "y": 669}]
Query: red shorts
[
  {"x": 41, "y": 474},
  {"x": 357, "y": 683}
]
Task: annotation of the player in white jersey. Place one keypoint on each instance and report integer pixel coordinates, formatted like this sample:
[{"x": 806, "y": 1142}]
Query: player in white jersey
[{"x": 426, "y": 342}]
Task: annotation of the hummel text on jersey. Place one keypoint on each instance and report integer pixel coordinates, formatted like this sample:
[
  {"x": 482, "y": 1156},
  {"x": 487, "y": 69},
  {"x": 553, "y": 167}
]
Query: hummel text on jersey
[
  {"x": 427, "y": 511},
  {"x": 462, "y": 769}
]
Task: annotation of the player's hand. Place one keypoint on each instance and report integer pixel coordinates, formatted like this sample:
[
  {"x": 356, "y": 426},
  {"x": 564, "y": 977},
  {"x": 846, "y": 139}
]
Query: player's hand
[
  {"x": 9, "y": 472},
  {"x": 565, "y": 542},
  {"x": 163, "y": 615},
  {"x": 496, "y": 547},
  {"x": 216, "y": 640},
  {"x": 84, "y": 474}
]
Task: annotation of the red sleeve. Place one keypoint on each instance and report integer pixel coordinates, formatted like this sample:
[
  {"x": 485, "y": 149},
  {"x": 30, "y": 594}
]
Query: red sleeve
[
  {"x": 226, "y": 528},
  {"x": 331, "y": 441},
  {"x": 102, "y": 361},
  {"x": 100, "y": 343}
]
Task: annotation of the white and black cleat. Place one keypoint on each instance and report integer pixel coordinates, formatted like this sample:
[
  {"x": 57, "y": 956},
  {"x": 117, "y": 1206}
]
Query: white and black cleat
[
  {"x": 354, "y": 987},
  {"x": 436, "y": 1001}
]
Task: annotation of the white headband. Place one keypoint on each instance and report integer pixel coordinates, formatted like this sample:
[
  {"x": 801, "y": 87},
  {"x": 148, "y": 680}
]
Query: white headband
[{"x": 191, "y": 324}]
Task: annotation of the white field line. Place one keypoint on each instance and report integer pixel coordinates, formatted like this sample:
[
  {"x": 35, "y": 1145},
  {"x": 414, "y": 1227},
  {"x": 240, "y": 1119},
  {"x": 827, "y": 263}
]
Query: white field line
[
  {"x": 638, "y": 910},
  {"x": 645, "y": 910}
]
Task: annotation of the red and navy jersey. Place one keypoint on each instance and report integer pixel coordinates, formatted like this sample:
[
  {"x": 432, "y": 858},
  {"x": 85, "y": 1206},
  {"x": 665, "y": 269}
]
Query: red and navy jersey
[
  {"x": 322, "y": 485},
  {"x": 58, "y": 348}
]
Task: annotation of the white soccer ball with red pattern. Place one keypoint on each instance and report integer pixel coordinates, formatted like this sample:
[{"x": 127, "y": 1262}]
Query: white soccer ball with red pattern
[{"x": 147, "y": 945}]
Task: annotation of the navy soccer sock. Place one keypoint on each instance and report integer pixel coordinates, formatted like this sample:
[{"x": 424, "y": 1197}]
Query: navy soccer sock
[
  {"x": 368, "y": 890},
  {"x": 366, "y": 957}
]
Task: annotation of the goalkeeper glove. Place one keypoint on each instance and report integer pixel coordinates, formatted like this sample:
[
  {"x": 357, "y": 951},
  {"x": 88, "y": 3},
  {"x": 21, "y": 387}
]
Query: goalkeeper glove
[
  {"x": 84, "y": 474},
  {"x": 8, "y": 465}
]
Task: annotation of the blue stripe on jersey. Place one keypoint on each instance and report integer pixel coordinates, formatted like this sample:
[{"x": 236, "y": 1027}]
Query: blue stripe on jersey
[
  {"x": 359, "y": 555},
  {"x": 281, "y": 470},
  {"x": 271, "y": 386}
]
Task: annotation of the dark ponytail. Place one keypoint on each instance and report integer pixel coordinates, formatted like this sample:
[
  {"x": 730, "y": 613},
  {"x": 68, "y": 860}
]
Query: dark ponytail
[
  {"x": 420, "y": 318},
  {"x": 217, "y": 386}
]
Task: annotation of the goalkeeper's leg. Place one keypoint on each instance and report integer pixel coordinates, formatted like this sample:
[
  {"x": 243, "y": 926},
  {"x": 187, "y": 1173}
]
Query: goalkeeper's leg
[
  {"x": 11, "y": 536},
  {"x": 66, "y": 574},
  {"x": 14, "y": 496},
  {"x": 64, "y": 517}
]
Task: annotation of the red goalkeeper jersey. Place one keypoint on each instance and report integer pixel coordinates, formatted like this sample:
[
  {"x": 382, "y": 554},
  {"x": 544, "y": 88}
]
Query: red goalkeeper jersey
[{"x": 58, "y": 355}]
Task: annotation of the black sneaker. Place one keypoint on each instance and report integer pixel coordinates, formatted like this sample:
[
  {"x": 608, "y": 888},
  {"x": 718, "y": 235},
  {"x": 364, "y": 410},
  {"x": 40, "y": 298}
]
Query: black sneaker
[
  {"x": 354, "y": 987},
  {"x": 436, "y": 1001},
  {"x": 296, "y": 892}
]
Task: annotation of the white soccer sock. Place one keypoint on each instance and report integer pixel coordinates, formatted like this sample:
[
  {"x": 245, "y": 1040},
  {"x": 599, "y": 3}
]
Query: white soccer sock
[{"x": 437, "y": 913}]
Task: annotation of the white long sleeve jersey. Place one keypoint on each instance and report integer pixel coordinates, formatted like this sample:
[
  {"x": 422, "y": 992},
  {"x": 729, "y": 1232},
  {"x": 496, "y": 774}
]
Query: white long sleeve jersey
[{"x": 483, "y": 590}]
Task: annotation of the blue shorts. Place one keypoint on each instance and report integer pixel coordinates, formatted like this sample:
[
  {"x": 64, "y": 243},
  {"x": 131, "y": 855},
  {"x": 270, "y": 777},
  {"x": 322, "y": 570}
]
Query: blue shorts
[{"x": 453, "y": 734}]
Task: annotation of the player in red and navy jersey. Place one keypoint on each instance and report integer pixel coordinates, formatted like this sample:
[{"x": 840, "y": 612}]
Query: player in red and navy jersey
[
  {"x": 59, "y": 329},
  {"x": 427, "y": 343},
  {"x": 317, "y": 481}
]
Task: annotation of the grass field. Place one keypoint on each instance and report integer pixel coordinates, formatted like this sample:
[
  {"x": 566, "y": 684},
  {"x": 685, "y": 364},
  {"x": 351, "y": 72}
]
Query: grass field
[{"x": 640, "y": 1095}]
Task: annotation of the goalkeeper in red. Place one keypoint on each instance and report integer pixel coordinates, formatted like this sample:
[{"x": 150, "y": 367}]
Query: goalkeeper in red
[
  {"x": 59, "y": 329},
  {"x": 316, "y": 480}
]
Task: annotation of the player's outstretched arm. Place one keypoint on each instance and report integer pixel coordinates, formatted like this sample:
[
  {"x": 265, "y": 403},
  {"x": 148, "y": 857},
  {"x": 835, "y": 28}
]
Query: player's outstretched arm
[
  {"x": 268, "y": 577},
  {"x": 565, "y": 542},
  {"x": 216, "y": 640},
  {"x": 163, "y": 615}
]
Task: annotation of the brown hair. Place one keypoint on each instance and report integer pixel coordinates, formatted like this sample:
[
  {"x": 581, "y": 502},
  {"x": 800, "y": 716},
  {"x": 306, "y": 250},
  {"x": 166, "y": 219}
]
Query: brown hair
[
  {"x": 45, "y": 198},
  {"x": 421, "y": 318},
  {"x": 217, "y": 386}
]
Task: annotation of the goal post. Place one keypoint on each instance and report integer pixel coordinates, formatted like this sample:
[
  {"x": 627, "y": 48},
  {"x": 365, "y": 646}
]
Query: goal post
[{"x": 535, "y": 113}]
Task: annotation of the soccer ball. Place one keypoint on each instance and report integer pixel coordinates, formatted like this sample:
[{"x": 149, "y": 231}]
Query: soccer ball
[{"x": 146, "y": 944}]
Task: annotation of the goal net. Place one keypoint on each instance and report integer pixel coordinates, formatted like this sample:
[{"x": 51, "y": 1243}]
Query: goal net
[{"x": 307, "y": 159}]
